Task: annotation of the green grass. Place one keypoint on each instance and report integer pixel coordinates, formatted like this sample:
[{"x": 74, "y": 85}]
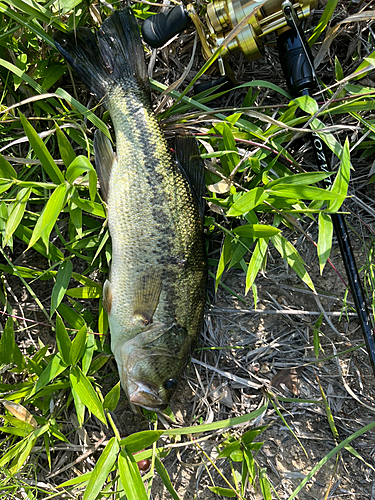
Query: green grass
[{"x": 50, "y": 206}]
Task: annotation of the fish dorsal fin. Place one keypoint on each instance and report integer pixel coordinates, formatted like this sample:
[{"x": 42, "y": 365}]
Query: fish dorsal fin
[
  {"x": 107, "y": 296},
  {"x": 104, "y": 161},
  {"x": 192, "y": 165},
  {"x": 146, "y": 297}
]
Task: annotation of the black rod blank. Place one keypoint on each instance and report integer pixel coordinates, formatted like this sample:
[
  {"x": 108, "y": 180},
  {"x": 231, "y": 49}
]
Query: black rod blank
[{"x": 296, "y": 62}]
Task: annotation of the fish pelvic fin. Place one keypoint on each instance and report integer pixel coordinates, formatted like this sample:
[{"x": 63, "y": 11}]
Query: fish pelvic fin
[
  {"x": 112, "y": 56},
  {"x": 107, "y": 296},
  {"x": 105, "y": 158},
  {"x": 146, "y": 298}
]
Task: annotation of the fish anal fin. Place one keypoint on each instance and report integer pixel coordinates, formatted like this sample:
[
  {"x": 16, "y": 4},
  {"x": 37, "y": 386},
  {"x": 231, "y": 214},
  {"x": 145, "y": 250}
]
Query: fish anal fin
[
  {"x": 107, "y": 297},
  {"x": 105, "y": 158},
  {"x": 146, "y": 298},
  {"x": 192, "y": 165}
]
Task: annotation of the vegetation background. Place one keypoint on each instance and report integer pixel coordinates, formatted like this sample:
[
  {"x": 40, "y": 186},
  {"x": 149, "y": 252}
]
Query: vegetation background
[{"x": 281, "y": 357}]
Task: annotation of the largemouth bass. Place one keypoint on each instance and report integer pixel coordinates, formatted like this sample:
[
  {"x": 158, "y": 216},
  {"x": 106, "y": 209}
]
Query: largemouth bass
[{"x": 155, "y": 293}]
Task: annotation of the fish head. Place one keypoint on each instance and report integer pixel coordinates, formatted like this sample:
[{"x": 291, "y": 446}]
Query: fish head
[{"x": 150, "y": 364}]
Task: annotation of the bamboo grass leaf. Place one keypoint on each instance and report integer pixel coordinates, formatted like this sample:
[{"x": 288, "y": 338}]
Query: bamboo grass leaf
[
  {"x": 248, "y": 202},
  {"x": 66, "y": 150},
  {"x": 112, "y": 398},
  {"x": 16, "y": 213},
  {"x": 324, "y": 239},
  {"x": 6, "y": 169},
  {"x": 51, "y": 371},
  {"x": 63, "y": 341},
  {"x": 257, "y": 260},
  {"x": 341, "y": 182},
  {"x": 78, "y": 345},
  {"x": 95, "y": 120},
  {"x": 324, "y": 20},
  {"x": 140, "y": 440},
  {"x": 162, "y": 471},
  {"x": 49, "y": 215},
  {"x": 292, "y": 257},
  {"x": 102, "y": 469},
  {"x": 42, "y": 152},
  {"x": 225, "y": 257},
  {"x": 86, "y": 393},
  {"x": 130, "y": 477},
  {"x": 256, "y": 231},
  {"x": 62, "y": 281}
]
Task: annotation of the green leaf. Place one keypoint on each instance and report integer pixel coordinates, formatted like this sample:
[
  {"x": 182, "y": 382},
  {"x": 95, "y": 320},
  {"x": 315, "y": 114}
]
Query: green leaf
[
  {"x": 256, "y": 231},
  {"x": 16, "y": 213},
  {"x": 316, "y": 327},
  {"x": 299, "y": 179},
  {"x": 71, "y": 316},
  {"x": 42, "y": 152},
  {"x": 224, "y": 492},
  {"x": 229, "y": 449},
  {"x": 292, "y": 257},
  {"x": 130, "y": 477},
  {"x": 162, "y": 471},
  {"x": 248, "y": 201},
  {"x": 78, "y": 345},
  {"x": 95, "y": 120},
  {"x": 220, "y": 424},
  {"x": 63, "y": 341},
  {"x": 62, "y": 281},
  {"x": 87, "y": 394},
  {"x": 264, "y": 484},
  {"x": 140, "y": 440},
  {"x": 66, "y": 150},
  {"x": 257, "y": 259},
  {"x": 338, "y": 70},
  {"x": 111, "y": 399},
  {"x": 304, "y": 193},
  {"x": 341, "y": 182},
  {"x": 236, "y": 456},
  {"x": 51, "y": 371},
  {"x": 49, "y": 215},
  {"x": 324, "y": 20},
  {"x": 102, "y": 469},
  {"x": 7, "y": 343},
  {"x": 81, "y": 165},
  {"x": 85, "y": 292},
  {"x": 6, "y": 169},
  {"x": 225, "y": 256},
  {"x": 306, "y": 103},
  {"x": 88, "y": 354},
  {"x": 324, "y": 239}
]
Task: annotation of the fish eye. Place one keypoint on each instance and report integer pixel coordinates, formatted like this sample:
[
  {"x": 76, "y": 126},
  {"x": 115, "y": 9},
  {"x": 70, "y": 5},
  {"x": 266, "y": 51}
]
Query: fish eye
[{"x": 170, "y": 384}]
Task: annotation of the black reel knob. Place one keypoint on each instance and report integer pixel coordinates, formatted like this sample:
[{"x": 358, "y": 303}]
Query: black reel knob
[{"x": 158, "y": 29}]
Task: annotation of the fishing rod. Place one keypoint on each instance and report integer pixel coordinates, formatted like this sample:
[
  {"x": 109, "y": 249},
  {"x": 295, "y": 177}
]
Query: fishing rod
[{"x": 251, "y": 21}]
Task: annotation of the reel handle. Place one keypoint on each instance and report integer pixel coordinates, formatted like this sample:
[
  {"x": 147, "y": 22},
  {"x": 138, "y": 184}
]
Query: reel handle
[{"x": 158, "y": 29}]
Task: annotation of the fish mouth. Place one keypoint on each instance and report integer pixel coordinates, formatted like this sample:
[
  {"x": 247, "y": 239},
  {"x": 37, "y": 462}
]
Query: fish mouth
[{"x": 148, "y": 397}]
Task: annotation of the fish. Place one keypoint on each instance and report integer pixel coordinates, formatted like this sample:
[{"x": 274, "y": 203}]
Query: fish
[{"x": 155, "y": 293}]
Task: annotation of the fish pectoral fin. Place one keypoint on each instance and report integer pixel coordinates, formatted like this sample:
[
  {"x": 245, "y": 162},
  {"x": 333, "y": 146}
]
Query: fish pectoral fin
[
  {"x": 146, "y": 298},
  {"x": 105, "y": 158},
  {"x": 107, "y": 296}
]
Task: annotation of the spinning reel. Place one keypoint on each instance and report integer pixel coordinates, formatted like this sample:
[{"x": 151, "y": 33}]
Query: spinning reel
[{"x": 222, "y": 16}]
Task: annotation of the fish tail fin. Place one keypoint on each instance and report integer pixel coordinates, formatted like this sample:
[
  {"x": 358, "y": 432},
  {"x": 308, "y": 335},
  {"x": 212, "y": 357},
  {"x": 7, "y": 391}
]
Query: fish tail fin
[{"x": 111, "y": 57}]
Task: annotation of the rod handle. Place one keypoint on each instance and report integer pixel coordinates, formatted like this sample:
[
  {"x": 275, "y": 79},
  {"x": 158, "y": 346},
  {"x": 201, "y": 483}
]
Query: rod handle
[{"x": 158, "y": 29}]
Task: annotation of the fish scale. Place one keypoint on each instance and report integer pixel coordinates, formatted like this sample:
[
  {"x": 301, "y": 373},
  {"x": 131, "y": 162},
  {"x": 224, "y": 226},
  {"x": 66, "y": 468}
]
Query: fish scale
[{"x": 155, "y": 294}]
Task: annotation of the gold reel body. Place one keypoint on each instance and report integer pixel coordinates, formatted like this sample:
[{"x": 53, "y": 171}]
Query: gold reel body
[{"x": 264, "y": 17}]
